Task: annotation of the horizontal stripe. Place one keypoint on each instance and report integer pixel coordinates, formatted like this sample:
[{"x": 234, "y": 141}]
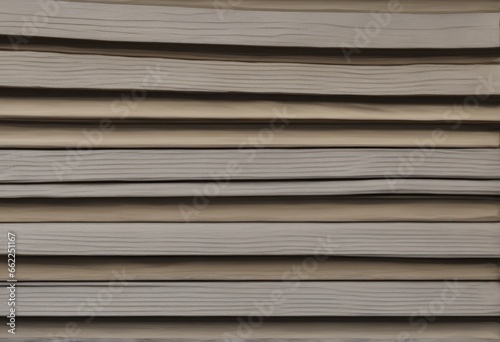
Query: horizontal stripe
[
  {"x": 207, "y": 268},
  {"x": 286, "y": 299},
  {"x": 249, "y": 189},
  {"x": 252, "y": 209},
  {"x": 276, "y": 134},
  {"x": 92, "y": 108},
  {"x": 99, "y": 21},
  {"x": 70, "y": 71},
  {"x": 407, "y": 6},
  {"x": 83, "y": 165},
  {"x": 400, "y": 239},
  {"x": 296, "y": 330}
]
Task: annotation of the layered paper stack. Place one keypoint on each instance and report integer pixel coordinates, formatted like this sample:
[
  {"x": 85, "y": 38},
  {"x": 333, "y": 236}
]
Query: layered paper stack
[{"x": 323, "y": 170}]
